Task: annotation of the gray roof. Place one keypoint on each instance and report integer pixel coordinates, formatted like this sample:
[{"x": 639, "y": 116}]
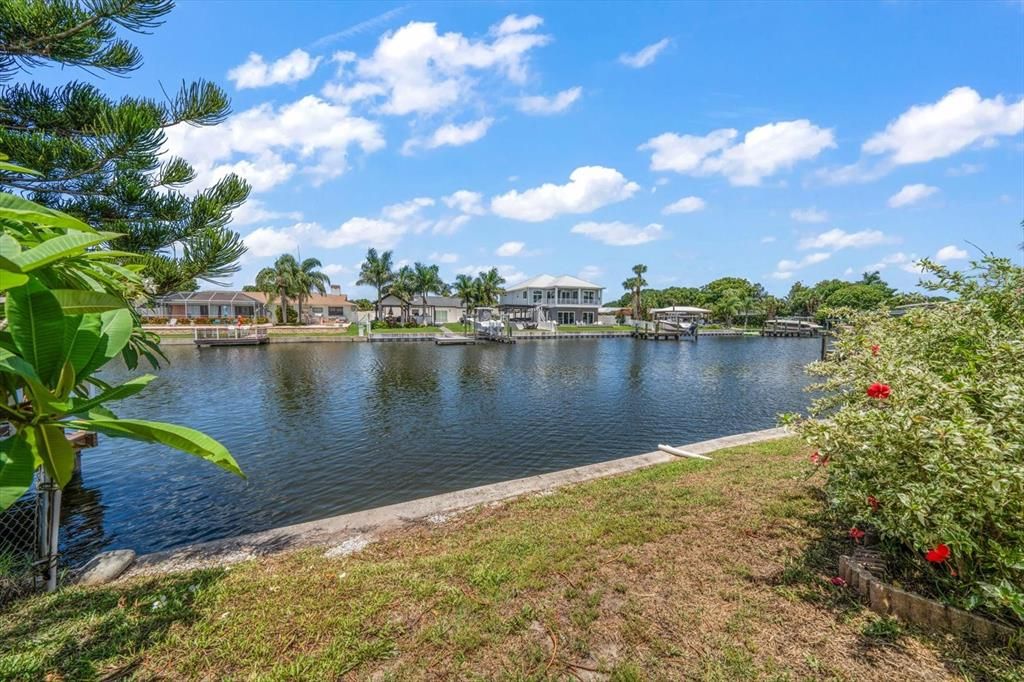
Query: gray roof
[
  {"x": 208, "y": 297},
  {"x": 444, "y": 301}
]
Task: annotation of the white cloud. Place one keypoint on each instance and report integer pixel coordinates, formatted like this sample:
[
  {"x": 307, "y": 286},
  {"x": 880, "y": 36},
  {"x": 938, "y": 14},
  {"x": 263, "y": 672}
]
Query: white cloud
[
  {"x": 256, "y": 73},
  {"x": 950, "y": 253},
  {"x": 808, "y": 215},
  {"x": 445, "y": 258},
  {"x": 589, "y": 188},
  {"x": 334, "y": 269},
  {"x": 809, "y": 259},
  {"x": 348, "y": 94},
  {"x": 836, "y": 239},
  {"x": 418, "y": 71},
  {"x": 383, "y": 234},
  {"x": 644, "y": 57},
  {"x": 450, "y": 135},
  {"x": 764, "y": 151},
  {"x": 511, "y": 273},
  {"x": 510, "y": 249},
  {"x": 911, "y": 194},
  {"x": 685, "y": 205},
  {"x": 266, "y": 241},
  {"x": 590, "y": 273},
  {"x": 450, "y": 224},
  {"x": 906, "y": 262},
  {"x": 785, "y": 268},
  {"x": 767, "y": 239},
  {"x": 964, "y": 169},
  {"x": 406, "y": 210},
  {"x": 618, "y": 233},
  {"x": 539, "y": 105},
  {"x": 255, "y": 211},
  {"x": 310, "y": 135},
  {"x": 466, "y": 201},
  {"x": 958, "y": 120},
  {"x": 516, "y": 24}
]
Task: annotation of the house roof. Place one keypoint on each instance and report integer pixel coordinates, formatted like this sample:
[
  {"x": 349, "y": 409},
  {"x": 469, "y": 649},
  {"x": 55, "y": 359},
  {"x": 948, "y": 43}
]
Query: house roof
[
  {"x": 336, "y": 300},
  {"x": 549, "y": 281},
  {"x": 210, "y": 297},
  {"x": 436, "y": 301}
]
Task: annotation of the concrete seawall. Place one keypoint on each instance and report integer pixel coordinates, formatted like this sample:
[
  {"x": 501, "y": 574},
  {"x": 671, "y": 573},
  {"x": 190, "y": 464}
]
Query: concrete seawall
[{"x": 357, "y": 527}]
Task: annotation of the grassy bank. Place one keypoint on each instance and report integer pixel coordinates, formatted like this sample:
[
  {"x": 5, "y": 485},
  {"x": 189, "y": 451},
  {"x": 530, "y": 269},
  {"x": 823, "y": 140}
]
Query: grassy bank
[{"x": 687, "y": 570}]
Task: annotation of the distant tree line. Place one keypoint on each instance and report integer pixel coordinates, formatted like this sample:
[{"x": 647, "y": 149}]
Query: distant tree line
[{"x": 733, "y": 298}]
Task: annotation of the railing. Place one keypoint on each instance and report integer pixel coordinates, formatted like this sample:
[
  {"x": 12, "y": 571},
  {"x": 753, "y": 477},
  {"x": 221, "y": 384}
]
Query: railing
[{"x": 226, "y": 332}]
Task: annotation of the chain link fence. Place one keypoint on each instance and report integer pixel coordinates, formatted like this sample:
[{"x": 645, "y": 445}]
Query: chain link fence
[
  {"x": 28, "y": 541},
  {"x": 18, "y": 547}
]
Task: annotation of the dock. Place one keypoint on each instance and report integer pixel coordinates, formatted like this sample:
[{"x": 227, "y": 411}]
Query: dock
[
  {"x": 454, "y": 340},
  {"x": 790, "y": 327},
  {"x": 664, "y": 331},
  {"x": 230, "y": 336}
]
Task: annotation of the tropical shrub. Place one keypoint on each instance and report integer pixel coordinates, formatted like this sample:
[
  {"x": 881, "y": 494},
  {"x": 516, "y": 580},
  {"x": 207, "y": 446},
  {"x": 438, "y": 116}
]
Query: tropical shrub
[
  {"x": 920, "y": 435},
  {"x": 65, "y": 315}
]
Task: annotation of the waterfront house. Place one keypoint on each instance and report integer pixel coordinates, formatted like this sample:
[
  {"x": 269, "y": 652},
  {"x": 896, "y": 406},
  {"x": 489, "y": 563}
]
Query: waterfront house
[
  {"x": 205, "y": 305},
  {"x": 547, "y": 298},
  {"x": 229, "y": 305},
  {"x": 319, "y": 308},
  {"x": 432, "y": 310}
]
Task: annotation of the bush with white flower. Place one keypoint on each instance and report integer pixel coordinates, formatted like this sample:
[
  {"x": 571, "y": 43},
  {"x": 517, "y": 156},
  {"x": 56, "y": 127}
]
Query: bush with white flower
[{"x": 920, "y": 435}]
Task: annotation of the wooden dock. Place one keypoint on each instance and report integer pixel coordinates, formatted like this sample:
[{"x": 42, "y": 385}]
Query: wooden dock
[
  {"x": 792, "y": 327},
  {"x": 664, "y": 331},
  {"x": 230, "y": 336}
]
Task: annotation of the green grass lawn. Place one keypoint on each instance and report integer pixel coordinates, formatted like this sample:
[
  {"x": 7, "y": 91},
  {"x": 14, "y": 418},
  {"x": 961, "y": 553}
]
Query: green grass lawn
[{"x": 689, "y": 570}]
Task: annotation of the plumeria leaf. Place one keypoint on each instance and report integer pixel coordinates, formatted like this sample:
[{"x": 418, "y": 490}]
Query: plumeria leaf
[{"x": 17, "y": 468}]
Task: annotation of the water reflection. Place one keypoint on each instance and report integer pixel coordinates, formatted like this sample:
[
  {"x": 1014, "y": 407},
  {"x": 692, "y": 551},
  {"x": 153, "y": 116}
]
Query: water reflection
[{"x": 323, "y": 429}]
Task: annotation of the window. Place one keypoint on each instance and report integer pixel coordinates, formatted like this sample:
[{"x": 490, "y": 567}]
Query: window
[
  {"x": 318, "y": 310},
  {"x": 571, "y": 296},
  {"x": 567, "y": 317},
  {"x": 245, "y": 310},
  {"x": 590, "y": 297},
  {"x": 587, "y": 318},
  {"x": 335, "y": 311},
  {"x": 551, "y": 295},
  {"x": 537, "y": 295},
  {"x": 524, "y": 293},
  {"x": 440, "y": 316}
]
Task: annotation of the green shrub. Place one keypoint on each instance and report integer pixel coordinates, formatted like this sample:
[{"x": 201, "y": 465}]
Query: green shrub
[{"x": 935, "y": 463}]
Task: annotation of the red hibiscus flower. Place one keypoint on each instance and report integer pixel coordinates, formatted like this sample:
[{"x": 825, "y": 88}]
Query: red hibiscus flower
[
  {"x": 856, "y": 533},
  {"x": 873, "y": 503},
  {"x": 815, "y": 457},
  {"x": 838, "y": 581},
  {"x": 937, "y": 554},
  {"x": 875, "y": 348},
  {"x": 879, "y": 391}
]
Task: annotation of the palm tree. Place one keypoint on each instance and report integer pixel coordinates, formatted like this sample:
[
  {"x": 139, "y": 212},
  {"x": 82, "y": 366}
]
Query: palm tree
[
  {"x": 428, "y": 278},
  {"x": 635, "y": 285},
  {"x": 465, "y": 288},
  {"x": 403, "y": 285},
  {"x": 279, "y": 281},
  {"x": 489, "y": 285},
  {"x": 308, "y": 279},
  {"x": 376, "y": 272},
  {"x": 872, "y": 278}
]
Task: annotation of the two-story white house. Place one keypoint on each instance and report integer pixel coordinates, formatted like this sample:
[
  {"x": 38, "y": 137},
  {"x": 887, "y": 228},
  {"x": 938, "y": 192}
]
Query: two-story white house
[{"x": 546, "y": 298}]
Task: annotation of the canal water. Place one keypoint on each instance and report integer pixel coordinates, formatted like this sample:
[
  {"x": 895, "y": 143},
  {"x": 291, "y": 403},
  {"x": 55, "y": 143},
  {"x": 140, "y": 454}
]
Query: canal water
[{"x": 328, "y": 428}]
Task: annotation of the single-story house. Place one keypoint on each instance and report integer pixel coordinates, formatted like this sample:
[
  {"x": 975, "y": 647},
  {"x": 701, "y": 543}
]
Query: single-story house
[
  {"x": 189, "y": 305},
  {"x": 228, "y": 305},
  {"x": 547, "y": 298},
  {"x": 316, "y": 308},
  {"x": 434, "y": 310}
]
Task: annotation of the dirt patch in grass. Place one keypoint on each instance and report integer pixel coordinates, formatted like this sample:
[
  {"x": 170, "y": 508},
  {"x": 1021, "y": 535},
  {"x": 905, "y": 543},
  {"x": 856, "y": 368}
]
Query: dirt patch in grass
[{"x": 689, "y": 570}]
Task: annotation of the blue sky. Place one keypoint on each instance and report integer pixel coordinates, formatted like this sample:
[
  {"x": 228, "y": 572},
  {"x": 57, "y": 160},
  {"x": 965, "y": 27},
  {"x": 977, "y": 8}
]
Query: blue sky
[{"x": 795, "y": 141}]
